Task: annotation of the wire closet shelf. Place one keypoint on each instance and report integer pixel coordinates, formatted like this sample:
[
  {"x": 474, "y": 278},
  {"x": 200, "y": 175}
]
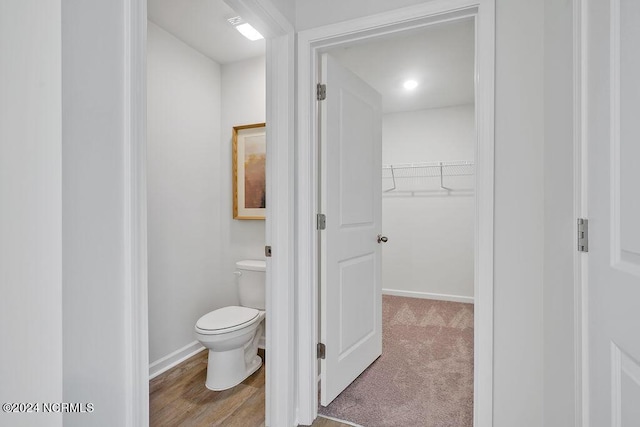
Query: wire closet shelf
[{"x": 417, "y": 176}]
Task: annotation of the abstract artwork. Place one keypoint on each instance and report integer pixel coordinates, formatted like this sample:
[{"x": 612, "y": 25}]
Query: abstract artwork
[{"x": 249, "y": 178}]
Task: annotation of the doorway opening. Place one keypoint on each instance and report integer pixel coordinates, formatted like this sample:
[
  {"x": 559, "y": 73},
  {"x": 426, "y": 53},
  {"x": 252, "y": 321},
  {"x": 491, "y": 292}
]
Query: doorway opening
[
  {"x": 312, "y": 48},
  {"x": 425, "y": 78},
  {"x": 206, "y": 103}
]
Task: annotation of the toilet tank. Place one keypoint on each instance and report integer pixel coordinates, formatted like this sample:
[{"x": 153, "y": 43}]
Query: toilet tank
[{"x": 251, "y": 283}]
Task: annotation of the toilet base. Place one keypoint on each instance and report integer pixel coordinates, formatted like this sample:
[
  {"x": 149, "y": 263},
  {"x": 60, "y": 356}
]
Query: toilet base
[
  {"x": 254, "y": 366},
  {"x": 229, "y": 365},
  {"x": 231, "y": 376}
]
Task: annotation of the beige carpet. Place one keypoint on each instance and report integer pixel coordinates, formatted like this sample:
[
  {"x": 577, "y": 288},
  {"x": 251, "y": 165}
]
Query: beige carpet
[{"x": 425, "y": 374}]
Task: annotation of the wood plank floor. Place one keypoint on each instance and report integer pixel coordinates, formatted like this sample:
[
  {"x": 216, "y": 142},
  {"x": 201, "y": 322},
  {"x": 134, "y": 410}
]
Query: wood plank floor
[{"x": 179, "y": 397}]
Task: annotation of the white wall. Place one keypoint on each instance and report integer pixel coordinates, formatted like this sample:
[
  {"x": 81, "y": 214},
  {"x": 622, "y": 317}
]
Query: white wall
[
  {"x": 559, "y": 223},
  {"x": 243, "y": 102},
  {"x": 519, "y": 204},
  {"x": 93, "y": 208},
  {"x": 30, "y": 209},
  {"x": 287, "y": 8},
  {"x": 184, "y": 190},
  {"x": 193, "y": 104},
  {"x": 312, "y": 13},
  {"x": 94, "y": 368},
  {"x": 519, "y": 190},
  {"x": 430, "y": 247}
]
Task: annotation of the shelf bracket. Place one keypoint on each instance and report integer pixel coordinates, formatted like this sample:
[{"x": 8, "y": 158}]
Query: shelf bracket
[
  {"x": 393, "y": 180},
  {"x": 442, "y": 179}
]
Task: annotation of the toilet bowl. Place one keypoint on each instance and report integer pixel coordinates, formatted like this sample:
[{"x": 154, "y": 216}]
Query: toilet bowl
[{"x": 232, "y": 334}]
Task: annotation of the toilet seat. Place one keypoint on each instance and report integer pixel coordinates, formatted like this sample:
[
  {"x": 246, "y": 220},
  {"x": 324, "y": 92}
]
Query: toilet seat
[{"x": 226, "y": 319}]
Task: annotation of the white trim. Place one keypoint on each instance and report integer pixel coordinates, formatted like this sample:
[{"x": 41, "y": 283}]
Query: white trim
[
  {"x": 428, "y": 295},
  {"x": 135, "y": 214},
  {"x": 580, "y": 259},
  {"x": 306, "y": 245},
  {"x": 280, "y": 341},
  {"x": 621, "y": 363},
  {"x": 616, "y": 386},
  {"x": 310, "y": 42},
  {"x": 614, "y": 128},
  {"x": 280, "y": 396},
  {"x": 349, "y": 423},
  {"x": 617, "y": 259},
  {"x": 484, "y": 222},
  {"x": 386, "y": 22},
  {"x": 307, "y": 239},
  {"x": 174, "y": 359}
]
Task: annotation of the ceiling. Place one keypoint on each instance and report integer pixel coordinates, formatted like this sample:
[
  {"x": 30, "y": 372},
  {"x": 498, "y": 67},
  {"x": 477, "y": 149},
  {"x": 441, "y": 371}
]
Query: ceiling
[
  {"x": 439, "y": 57},
  {"x": 202, "y": 24}
]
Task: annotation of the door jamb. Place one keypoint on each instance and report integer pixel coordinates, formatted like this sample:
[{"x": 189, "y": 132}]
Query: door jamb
[
  {"x": 309, "y": 44},
  {"x": 280, "y": 397},
  {"x": 134, "y": 180},
  {"x": 580, "y": 209},
  {"x": 280, "y": 337}
]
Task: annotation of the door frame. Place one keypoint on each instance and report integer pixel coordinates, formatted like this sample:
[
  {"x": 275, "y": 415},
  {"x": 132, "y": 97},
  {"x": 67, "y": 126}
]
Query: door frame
[
  {"x": 580, "y": 210},
  {"x": 280, "y": 338},
  {"x": 310, "y": 43},
  {"x": 279, "y": 33}
]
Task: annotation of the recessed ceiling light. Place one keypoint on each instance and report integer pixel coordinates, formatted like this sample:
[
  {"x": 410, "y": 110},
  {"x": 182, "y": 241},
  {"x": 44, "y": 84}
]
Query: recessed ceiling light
[
  {"x": 249, "y": 32},
  {"x": 410, "y": 84},
  {"x": 245, "y": 28}
]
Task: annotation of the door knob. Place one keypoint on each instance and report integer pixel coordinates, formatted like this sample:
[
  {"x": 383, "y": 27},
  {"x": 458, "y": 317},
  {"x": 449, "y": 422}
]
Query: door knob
[{"x": 382, "y": 239}]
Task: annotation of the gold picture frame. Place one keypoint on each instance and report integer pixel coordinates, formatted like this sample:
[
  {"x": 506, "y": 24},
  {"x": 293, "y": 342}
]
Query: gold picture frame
[{"x": 249, "y": 177}]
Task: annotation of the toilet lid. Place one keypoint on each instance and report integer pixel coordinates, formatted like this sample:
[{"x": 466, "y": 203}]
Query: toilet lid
[{"x": 227, "y": 317}]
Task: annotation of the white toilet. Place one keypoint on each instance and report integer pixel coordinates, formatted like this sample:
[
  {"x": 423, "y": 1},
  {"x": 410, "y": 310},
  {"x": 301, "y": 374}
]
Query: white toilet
[{"x": 232, "y": 334}]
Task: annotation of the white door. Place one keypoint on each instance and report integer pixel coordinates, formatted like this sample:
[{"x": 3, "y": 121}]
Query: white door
[
  {"x": 351, "y": 199},
  {"x": 613, "y": 135}
]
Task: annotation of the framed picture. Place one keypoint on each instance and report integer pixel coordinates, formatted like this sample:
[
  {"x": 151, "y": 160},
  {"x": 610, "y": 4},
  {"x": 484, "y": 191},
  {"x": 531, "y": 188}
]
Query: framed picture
[{"x": 249, "y": 178}]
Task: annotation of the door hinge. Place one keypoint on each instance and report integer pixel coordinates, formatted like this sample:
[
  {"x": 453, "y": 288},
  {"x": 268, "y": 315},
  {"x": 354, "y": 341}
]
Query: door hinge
[
  {"x": 321, "y": 350},
  {"x": 321, "y": 222},
  {"x": 267, "y": 251},
  {"x": 583, "y": 235},
  {"x": 321, "y": 92}
]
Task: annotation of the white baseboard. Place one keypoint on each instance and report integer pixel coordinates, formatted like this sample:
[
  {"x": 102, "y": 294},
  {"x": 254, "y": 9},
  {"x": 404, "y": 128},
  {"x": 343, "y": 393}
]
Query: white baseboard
[
  {"x": 175, "y": 358},
  {"x": 428, "y": 295},
  {"x": 349, "y": 423}
]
